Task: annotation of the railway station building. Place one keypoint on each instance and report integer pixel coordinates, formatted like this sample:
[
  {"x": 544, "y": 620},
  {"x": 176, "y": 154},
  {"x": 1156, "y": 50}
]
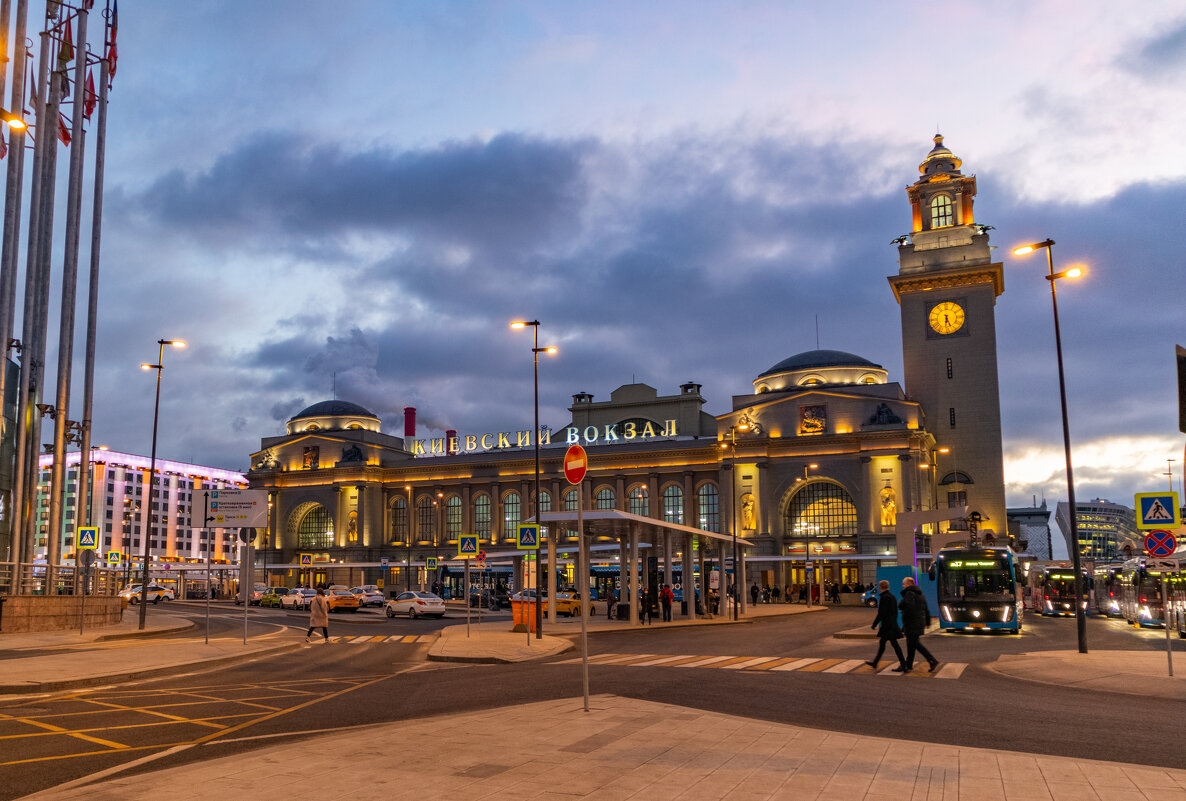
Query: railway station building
[{"x": 822, "y": 459}]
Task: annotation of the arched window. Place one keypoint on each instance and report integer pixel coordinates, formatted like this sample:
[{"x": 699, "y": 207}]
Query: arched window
[
  {"x": 425, "y": 518},
  {"x": 673, "y": 505},
  {"x": 821, "y": 509},
  {"x": 316, "y": 529},
  {"x": 511, "y": 515},
  {"x": 572, "y": 499},
  {"x": 453, "y": 517},
  {"x": 941, "y": 212},
  {"x": 638, "y": 500},
  {"x": 399, "y": 521},
  {"x": 482, "y": 517},
  {"x": 708, "y": 508},
  {"x": 545, "y": 501},
  {"x": 605, "y": 498}
]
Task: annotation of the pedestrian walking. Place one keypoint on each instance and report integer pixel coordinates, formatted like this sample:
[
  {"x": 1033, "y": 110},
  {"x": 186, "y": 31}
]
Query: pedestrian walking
[
  {"x": 916, "y": 617},
  {"x": 887, "y": 627},
  {"x": 318, "y": 615},
  {"x": 666, "y": 596},
  {"x": 644, "y": 607},
  {"x": 611, "y": 602},
  {"x": 753, "y": 594}
]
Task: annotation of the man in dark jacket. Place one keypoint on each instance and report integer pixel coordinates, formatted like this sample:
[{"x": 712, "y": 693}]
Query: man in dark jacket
[
  {"x": 915, "y": 619},
  {"x": 887, "y": 620}
]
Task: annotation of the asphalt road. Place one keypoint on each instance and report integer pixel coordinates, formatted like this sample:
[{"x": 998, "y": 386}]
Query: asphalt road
[{"x": 295, "y": 695}]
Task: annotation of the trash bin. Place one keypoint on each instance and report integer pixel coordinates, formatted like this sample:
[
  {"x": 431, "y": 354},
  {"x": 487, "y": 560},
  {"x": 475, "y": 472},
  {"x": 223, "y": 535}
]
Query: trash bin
[
  {"x": 517, "y": 610},
  {"x": 623, "y": 611}
]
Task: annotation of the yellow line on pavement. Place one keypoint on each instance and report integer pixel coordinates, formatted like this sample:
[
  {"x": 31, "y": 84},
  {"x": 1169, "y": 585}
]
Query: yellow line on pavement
[
  {"x": 122, "y": 749},
  {"x": 732, "y": 661},
  {"x": 410, "y": 638},
  {"x": 823, "y": 664},
  {"x": 773, "y": 664}
]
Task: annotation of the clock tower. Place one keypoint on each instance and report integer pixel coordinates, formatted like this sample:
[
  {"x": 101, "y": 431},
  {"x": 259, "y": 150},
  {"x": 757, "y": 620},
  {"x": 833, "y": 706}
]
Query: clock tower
[{"x": 947, "y": 285}]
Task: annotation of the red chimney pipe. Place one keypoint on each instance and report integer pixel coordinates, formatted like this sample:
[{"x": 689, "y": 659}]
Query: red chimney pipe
[{"x": 409, "y": 421}]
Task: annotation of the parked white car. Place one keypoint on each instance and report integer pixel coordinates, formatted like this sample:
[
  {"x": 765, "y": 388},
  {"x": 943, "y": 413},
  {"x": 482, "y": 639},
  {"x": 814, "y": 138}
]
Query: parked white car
[
  {"x": 297, "y": 599},
  {"x": 368, "y": 595},
  {"x": 416, "y": 604}
]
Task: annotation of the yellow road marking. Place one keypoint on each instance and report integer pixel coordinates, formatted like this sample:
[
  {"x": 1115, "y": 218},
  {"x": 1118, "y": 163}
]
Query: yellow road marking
[
  {"x": 823, "y": 664},
  {"x": 410, "y": 638},
  {"x": 733, "y": 661},
  {"x": 123, "y": 750}
]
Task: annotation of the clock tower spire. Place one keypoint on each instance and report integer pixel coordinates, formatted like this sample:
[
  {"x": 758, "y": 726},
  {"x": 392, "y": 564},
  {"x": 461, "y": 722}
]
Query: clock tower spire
[{"x": 947, "y": 285}]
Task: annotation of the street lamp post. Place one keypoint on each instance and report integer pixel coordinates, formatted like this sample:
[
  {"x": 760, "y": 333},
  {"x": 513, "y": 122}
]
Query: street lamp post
[
  {"x": 1052, "y": 277},
  {"x": 146, "y": 527},
  {"x": 737, "y": 589},
  {"x": 408, "y": 541},
  {"x": 536, "y": 350}
]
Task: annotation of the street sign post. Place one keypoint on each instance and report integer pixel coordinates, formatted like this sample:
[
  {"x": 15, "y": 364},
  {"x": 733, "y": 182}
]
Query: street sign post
[
  {"x": 528, "y": 536},
  {"x": 1157, "y": 510},
  {"x": 467, "y": 545},
  {"x": 239, "y": 508},
  {"x": 306, "y": 560},
  {"x": 114, "y": 558},
  {"x": 1160, "y": 542},
  {"x": 430, "y": 563},
  {"x": 480, "y": 560}
]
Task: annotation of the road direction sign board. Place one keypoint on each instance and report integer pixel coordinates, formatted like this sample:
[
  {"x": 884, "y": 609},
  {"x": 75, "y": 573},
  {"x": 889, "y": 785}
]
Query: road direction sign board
[
  {"x": 383, "y": 562},
  {"x": 480, "y": 562},
  {"x": 576, "y": 462},
  {"x": 88, "y": 538},
  {"x": 306, "y": 560},
  {"x": 1157, "y": 510},
  {"x": 528, "y": 535},
  {"x": 239, "y": 508},
  {"x": 431, "y": 563},
  {"x": 467, "y": 545},
  {"x": 1160, "y": 542},
  {"x": 114, "y": 557},
  {"x": 1164, "y": 564}
]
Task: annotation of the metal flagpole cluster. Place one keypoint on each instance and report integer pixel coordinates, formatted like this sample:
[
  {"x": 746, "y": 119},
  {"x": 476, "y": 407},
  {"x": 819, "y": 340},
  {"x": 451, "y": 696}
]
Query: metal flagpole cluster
[{"x": 63, "y": 77}]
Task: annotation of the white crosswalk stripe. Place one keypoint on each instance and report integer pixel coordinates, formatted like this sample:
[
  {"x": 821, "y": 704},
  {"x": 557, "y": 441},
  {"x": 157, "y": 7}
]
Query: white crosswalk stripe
[{"x": 949, "y": 670}]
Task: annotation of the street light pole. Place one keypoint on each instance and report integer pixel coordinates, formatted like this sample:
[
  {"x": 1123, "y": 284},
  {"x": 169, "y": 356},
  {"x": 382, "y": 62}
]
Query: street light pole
[
  {"x": 408, "y": 542},
  {"x": 1052, "y": 277},
  {"x": 146, "y": 526},
  {"x": 539, "y": 568}
]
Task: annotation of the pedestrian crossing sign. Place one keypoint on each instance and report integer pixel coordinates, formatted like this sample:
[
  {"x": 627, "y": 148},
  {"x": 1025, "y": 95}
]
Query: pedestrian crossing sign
[
  {"x": 1158, "y": 510},
  {"x": 528, "y": 535},
  {"x": 306, "y": 560},
  {"x": 431, "y": 563},
  {"x": 467, "y": 545},
  {"x": 114, "y": 557},
  {"x": 88, "y": 538}
]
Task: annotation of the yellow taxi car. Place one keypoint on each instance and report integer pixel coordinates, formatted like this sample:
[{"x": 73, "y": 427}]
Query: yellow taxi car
[
  {"x": 569, "y": 603},
  {"x": 341, "y": 600}
]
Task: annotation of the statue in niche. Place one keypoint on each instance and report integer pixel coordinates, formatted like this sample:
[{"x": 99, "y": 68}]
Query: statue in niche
[
  {"x": 312, "y": 457},
  {"x": 889, "y": 507},
  {"x": 747, "y": 512},
  {"x": 352, "y": 527},
  {"x": 884, "y": 416},
  {"x": 351, "y": 453},
  {"x": 813, "y": 419}
]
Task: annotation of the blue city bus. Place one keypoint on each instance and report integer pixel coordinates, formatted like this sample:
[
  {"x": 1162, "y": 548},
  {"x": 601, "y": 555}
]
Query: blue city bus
[{"x": 978, "y": 588}]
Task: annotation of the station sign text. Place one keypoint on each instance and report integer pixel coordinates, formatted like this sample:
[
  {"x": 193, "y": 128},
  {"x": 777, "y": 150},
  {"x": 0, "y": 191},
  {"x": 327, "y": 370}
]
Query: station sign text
[{"x": 589, "y": 435}]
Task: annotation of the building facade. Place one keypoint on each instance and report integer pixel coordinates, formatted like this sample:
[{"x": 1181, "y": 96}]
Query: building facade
[
  {"x": 120, "y": 507},
  {"x": 1029, "y": 530},
  {"x": 1107, "y": 531},
  {"x": 813, "y": 463}
]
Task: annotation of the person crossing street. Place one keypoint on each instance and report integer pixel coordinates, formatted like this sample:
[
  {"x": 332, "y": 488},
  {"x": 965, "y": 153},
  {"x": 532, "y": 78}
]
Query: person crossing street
[
  {"x": 916, "y": 617},
  {"x": 887, "y": 627}
]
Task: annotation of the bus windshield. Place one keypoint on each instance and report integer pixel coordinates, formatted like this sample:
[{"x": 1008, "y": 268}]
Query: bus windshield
[
  {"x": 1059, "y": 586},
  {"x": 984, "y": 581}
]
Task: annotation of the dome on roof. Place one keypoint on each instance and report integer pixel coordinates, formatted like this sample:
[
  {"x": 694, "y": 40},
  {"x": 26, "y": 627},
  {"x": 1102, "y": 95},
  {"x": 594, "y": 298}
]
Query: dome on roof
[
  {"x": 814, "y": 359},
  {"x": 333, "y": 415},
  {"x": 333, "y": 408},
  {"x": 940, "y": 159},
  {"x": 819, "y": 367}
]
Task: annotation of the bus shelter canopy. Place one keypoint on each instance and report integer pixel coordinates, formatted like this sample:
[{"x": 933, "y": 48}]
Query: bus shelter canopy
[{"x": 619, "y": 525}]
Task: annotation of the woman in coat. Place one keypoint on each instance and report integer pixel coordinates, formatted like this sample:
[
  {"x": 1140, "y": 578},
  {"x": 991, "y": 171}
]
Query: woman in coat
[
  {"x": 887, "y": 627},
  {"x": 319, "y": 615}
]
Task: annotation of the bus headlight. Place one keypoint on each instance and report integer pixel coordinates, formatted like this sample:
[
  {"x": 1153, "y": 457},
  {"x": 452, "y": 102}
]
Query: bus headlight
[
  {"x": 976, "y": 613},
  {"x": 1145, "y": 612},
  {"x": 946, "y": 613},
  {"x": 1008, "y": 614}
]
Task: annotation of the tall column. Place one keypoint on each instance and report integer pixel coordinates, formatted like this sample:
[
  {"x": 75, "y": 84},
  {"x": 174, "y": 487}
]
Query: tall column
[
  {"x": 623, "y": 568},
  {"x": 686, "y": 564},
  {"x": 362, "y": 531},
  {"x": 667, "y": 554},
  {"x": 699, "y": 556},
  {"x": 634, "y": 584}
]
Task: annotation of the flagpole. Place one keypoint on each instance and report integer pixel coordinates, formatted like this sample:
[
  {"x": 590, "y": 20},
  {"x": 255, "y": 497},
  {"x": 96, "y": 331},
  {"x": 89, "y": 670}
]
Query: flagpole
[
  {"x": 92, "y": 315},
  {"x": 22, "y": 511},
  {"x": 10, "y": 246},
  {"x": 69, "y": 278}
]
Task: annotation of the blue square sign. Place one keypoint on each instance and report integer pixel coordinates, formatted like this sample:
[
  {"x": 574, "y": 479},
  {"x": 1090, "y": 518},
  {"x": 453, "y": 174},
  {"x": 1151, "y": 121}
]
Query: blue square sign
[{"x": 1158, "y": 510}]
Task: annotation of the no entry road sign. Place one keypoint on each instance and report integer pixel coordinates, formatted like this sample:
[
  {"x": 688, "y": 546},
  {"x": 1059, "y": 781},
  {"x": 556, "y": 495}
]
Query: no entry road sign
[
  {"x": 576, "y": 463},
  {"x": 1160, "y": 542}
]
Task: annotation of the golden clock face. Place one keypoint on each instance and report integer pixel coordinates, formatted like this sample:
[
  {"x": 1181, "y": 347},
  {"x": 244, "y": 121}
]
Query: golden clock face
[{"x": 947, "y": 317}]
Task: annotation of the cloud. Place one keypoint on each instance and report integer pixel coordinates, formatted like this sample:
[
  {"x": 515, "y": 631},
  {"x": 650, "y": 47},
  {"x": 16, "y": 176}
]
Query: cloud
[{"x": 1160, "y": 54}]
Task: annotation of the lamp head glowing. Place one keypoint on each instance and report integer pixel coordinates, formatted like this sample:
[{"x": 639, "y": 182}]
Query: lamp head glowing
[
  {"x": 1023, "y": 250},
  {"x": 551, "y": 349},
  {"x": 518, "y": 324},
  {"x": 1074, "y": 272},
  {"x": 177, "y": 343},
  {"x": 146, "y": 366}
]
